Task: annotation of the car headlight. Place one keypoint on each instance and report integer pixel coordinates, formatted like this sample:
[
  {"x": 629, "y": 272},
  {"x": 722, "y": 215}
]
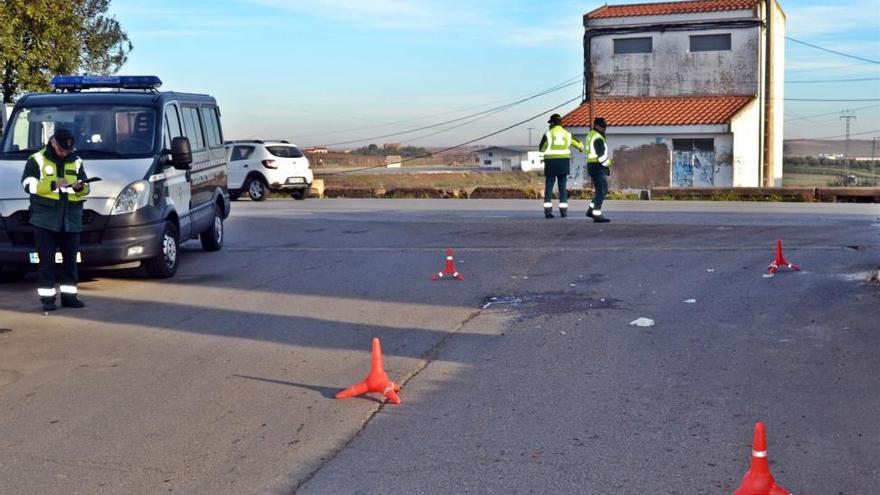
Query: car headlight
[{"x": 135, "y": 196}]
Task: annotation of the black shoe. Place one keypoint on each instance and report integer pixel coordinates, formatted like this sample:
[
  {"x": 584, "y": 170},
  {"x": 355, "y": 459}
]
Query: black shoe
[
  {"x": 70, "y": 301},
  {"x": 590, "y": 213},
  {"x": 48, "y": 303},
  {"x": 563, "y": 212},
  {"x": 548, "y": 212},
  {"x": 600, "y": 219}
]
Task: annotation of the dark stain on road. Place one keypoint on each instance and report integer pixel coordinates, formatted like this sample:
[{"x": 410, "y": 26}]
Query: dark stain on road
[{"x": 5, "y": 330}]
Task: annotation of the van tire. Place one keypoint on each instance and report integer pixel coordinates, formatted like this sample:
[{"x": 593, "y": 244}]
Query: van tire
[
  {"x": 257, "y": 189},
  {"x": 299, "y": 194},
  {"x": 165, "y": 264},
  {"x": 212, "y": 239}
]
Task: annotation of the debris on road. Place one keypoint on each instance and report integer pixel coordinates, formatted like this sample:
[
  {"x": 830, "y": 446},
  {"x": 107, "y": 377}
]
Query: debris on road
[
  {"x": 642, "y": 322},
  {"x": 690, "y": 301}
]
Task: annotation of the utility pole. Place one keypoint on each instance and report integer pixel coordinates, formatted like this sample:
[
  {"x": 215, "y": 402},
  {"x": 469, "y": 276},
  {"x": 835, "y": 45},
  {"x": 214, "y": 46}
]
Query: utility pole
[
  {"x": 873, "y": 162},
  {"x": 847, "y": 116},
  {"x": 530, "y": 135}
]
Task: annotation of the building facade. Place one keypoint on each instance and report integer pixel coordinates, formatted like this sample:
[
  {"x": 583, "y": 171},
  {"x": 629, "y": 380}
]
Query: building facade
[
  {"x": 503, "y": 157},
  {"x": 691, "y": 91}
]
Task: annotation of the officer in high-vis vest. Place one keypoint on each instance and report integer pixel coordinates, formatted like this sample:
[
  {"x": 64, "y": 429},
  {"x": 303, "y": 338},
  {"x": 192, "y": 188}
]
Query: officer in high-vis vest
[
  {"x": 55, "y": 179},
  {"x": 557, "y": 164},
  {"x": 598, "y": 168}
]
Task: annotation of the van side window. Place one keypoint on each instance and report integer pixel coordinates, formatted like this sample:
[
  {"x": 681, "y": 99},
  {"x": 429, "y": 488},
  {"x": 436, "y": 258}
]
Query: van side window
[
  {"x": 212, "y": 127},
  {"x": 241, "y": 152},
  {"x": 193, "y": 128},
  {"x": 172, "y": 126}
]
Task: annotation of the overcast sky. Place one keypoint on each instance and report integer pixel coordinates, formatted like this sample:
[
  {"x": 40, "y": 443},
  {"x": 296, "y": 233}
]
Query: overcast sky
[{"x": 332, "y": 71}]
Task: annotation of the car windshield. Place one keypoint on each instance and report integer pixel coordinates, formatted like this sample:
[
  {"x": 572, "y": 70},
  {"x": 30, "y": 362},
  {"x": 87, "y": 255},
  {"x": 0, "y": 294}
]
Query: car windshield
[
  {"x": 285, "y": 151},
  {"x": 100, "y": 131}
]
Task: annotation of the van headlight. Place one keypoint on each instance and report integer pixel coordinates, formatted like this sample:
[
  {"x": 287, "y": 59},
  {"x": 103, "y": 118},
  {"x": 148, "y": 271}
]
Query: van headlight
[{"x": 134, "y": 197}]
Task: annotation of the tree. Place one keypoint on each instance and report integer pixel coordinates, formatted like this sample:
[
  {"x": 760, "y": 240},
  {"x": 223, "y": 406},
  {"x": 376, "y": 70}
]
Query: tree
[{"x": 41, "y": 38}]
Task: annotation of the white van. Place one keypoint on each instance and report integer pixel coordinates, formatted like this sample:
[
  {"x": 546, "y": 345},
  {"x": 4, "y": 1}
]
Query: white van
[{"x": 159, "y": 155}]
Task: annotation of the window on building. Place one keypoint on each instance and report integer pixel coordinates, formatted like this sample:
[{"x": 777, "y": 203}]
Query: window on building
[
  {"x": 710, "y": 42},
  {"x": 490, "y": 153},
  {"x": 487, "y": 162},
  {"x": 693, "y": 145},
  {"x": 633, "y": 45}
]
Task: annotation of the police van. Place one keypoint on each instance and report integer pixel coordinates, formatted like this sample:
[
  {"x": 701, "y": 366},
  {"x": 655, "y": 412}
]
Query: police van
[{"x": 159, "y": 157}]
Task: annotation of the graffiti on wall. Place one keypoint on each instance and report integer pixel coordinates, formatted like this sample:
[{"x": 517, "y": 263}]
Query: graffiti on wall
[{"x": 693, "y": 168}]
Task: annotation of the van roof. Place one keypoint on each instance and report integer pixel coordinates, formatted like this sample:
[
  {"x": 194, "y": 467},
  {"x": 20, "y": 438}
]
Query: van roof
[{"x": 114, "y": 97}]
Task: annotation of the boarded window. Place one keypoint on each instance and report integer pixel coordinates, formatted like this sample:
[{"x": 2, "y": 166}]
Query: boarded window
[
  {"x": 710, "y": 43},
  {"x": 693, "y": 145},
  {"x": 633, "y": 45}
]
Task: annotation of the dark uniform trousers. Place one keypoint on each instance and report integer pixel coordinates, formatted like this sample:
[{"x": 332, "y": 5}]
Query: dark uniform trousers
[
  {"x": 47, "y": 242},
  {"x": 599, "y": 175},
  {"x": 556, "y": 170}
]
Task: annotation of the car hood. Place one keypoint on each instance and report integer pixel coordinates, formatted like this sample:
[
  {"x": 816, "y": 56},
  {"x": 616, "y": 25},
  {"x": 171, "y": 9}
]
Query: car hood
[{"x": 114, "y": 174}]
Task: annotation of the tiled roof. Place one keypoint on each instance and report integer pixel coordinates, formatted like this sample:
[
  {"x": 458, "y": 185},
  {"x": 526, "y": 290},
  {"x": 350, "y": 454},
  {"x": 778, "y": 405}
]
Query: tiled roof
[
  {"x": 667, "y": 8},
  {"x": 668, "y": 110}
]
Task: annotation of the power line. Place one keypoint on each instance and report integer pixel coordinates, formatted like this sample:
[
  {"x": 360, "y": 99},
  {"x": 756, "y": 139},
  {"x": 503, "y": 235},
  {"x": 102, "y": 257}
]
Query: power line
[
  {"x": 834, "y": 80},
  {"x": 444, "y": 150},
  {"x": 832, "y": 99},
  {"x": 837, "y": 136},
  {"x": 833, "y": 51},
  {"x": 432, "y": 126},
  {"x": 836, "y": 112},
  {"x": 360, "y": 128}
]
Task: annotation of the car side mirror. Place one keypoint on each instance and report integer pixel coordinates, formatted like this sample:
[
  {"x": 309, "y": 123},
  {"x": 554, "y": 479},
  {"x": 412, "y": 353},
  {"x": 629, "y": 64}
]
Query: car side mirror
[{"x": 181, "y": 153}]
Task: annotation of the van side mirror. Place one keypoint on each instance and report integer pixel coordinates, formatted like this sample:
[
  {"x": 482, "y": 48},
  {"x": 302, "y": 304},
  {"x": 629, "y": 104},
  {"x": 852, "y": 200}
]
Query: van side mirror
[{"x": 181, "y": 153}]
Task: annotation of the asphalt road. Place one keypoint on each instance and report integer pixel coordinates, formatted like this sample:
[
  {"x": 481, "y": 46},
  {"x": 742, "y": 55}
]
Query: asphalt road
[{"x": 526, "y": 377}]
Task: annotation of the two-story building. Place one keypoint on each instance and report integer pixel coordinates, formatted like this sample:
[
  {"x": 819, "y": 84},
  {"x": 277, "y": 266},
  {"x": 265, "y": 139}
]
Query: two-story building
[{"x": 691, "y": 91}]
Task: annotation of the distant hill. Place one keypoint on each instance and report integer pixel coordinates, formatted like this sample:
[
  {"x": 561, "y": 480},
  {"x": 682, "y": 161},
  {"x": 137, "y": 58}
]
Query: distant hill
[{"x": 816, "y": 147}]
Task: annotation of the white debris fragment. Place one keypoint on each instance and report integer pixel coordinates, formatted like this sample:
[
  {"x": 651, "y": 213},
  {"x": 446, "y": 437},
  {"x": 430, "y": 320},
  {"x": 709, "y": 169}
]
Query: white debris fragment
[
  {"x": 563, "y": 332},
  {"x": 642, "y": 322},
  {"x": 710, "y": 270},
  {"x": 690, "y": 301},
  {"x": 767, "y": 275},
  {"x": 572, "y": 285}
]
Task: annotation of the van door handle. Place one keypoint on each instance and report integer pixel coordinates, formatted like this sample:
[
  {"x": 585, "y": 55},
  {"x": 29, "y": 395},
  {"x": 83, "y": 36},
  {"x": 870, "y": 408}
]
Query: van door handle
[{"x": 245, "y": 166}]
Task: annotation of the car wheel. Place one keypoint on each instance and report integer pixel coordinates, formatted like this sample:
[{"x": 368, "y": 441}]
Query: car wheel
[
  {"x": 299, "y": 194},
  {"x": 164, "y": 265},
  {"x": 212, "y": 239},
  {"x": 257, "y": 189}
]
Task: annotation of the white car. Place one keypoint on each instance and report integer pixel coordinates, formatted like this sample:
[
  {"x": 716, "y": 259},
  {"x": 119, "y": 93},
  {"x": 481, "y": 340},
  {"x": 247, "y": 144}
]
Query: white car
[{"x": 257, "y": 167}]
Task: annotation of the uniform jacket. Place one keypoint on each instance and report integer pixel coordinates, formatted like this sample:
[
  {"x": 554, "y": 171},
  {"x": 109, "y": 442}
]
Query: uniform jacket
[{"x": 63, "y": 214}]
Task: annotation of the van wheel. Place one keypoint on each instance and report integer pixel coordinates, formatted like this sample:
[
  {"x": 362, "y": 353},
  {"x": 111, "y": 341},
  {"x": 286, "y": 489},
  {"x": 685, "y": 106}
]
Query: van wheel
[
  {"x": 212, "y": 239},
  {"x": 165, "y": 264},
  {"x": 257, "y": 189},
  {"x": 299, "y": 194}
]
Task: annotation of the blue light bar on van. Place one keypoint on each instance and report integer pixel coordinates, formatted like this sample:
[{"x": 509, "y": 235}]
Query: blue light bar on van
[{"x": 76, "y": 83}]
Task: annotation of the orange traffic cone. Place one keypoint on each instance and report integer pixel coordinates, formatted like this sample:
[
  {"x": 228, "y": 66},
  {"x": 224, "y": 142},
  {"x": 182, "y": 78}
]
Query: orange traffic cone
[
  {"x": 376, "y": 382},
  {"x": 780, "y": 260},
  {"x": 758, "y": 480},
  {"x": 450, "y": 270}
]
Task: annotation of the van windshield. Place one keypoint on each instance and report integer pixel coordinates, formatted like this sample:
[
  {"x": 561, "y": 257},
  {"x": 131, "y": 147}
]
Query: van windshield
[{"x": 100, "y": 131}]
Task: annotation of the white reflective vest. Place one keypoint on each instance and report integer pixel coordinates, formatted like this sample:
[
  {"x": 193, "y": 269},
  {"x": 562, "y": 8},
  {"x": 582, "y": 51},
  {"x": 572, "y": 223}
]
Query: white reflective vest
[{"x": 558, "y": 142}]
